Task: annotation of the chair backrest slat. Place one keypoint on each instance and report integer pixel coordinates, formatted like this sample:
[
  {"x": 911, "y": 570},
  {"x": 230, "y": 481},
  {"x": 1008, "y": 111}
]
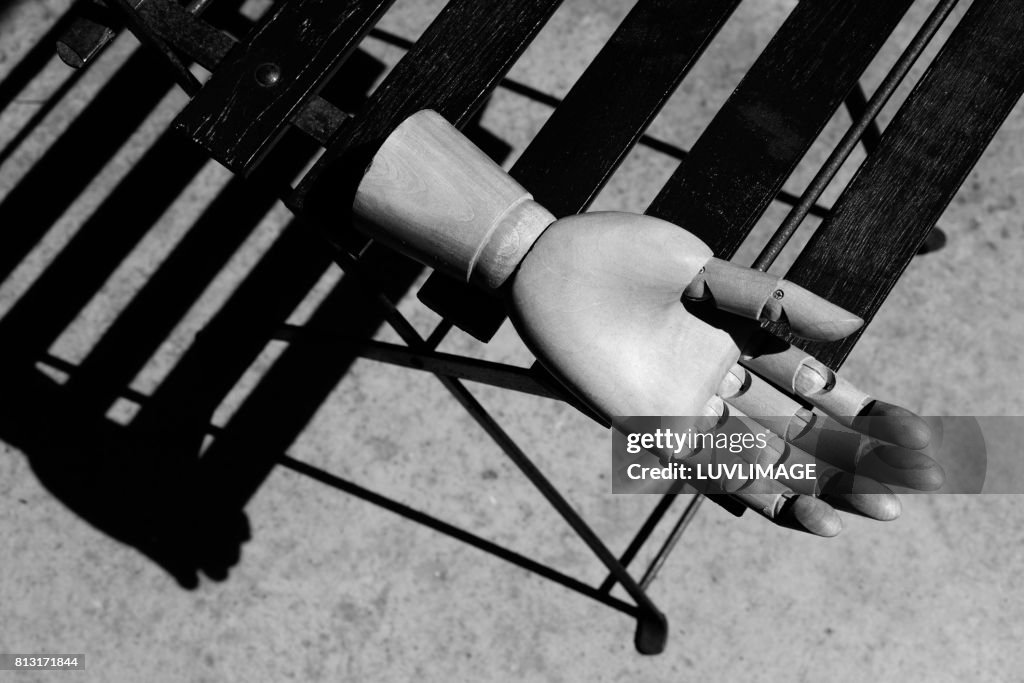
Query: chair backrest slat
[
  {"x": 856, "y": 256},
  {"x": 610, "y": 106},
  {"x": 757, "y": 138},
  {"x": 240, "y": 112}
]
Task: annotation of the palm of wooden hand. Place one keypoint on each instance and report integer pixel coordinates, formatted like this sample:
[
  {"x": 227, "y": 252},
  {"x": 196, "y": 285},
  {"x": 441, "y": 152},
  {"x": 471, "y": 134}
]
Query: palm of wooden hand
[{"x": 599, "y": 298}]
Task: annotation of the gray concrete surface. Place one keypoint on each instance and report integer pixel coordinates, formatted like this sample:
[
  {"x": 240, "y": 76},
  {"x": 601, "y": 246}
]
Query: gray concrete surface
[{"x": 333, "y": 588}]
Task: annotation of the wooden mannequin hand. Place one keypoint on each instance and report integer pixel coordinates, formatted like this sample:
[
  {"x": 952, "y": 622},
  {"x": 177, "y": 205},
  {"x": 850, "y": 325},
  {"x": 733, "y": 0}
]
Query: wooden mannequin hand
[
  {"x": 634, "y": 316},
  {"x": 602, "y": 298}
]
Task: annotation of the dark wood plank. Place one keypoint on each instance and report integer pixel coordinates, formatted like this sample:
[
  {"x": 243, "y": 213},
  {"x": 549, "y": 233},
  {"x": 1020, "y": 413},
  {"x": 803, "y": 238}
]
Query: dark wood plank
[
  {"x": 452, "y": 69},
  {"x": 241, "y": 111},
  {"x": 208, "y": 46},
  {"x": 750, "y": 148},
  {"x": 610, "y": 106},
  {"x": 856, "y": 256},
  {"x": 590, "y": 132},
  {"x": 169, "y": 59},
  {"x": 189, "y": 34}
]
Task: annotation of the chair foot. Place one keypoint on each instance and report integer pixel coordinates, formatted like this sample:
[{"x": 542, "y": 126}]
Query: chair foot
[
  {"x": 936, "y": 240},
  {"x": 651, "y": 632}
]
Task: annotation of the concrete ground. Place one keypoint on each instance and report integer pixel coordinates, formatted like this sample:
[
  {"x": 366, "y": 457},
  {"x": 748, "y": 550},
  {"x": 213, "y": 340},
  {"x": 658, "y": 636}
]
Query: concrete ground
[{"x": 334, "y": 587}]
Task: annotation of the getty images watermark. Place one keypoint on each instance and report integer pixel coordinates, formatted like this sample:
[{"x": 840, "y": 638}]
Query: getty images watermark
[
  {"x": 684, "y": 461},
  {"x": 723, "y": 455}
]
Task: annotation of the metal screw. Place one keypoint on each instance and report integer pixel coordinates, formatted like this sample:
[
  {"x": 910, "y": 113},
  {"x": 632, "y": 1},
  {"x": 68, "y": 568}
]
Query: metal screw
[
  {"x": 268, "y": 74},
  {"x": 778, "y": 294}
]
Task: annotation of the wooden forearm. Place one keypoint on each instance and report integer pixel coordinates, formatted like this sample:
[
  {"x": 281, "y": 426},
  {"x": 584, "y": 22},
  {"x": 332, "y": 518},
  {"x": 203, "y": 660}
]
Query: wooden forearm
[{"x": 433, "y": 195}]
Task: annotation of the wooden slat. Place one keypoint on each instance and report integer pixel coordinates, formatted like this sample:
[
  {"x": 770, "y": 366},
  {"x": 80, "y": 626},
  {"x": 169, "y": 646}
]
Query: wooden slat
[
  {"x": 236, "y": 117},
  {"x": 452, "y": 69},
  {"x": 757, "y": 138},
  {"x": 856, "y": 256},
  {"x": 599, "y": 121},
  {"x": 189, "y": 34},
  {"x": 208, "y": 46},
  {"x": 169, "y": 59},
  {"x": 610, "y": 106}
]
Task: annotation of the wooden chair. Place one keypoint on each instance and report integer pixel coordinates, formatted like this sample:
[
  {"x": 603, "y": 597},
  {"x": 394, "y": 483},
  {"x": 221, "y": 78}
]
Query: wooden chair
[{"x": 270, "y": 83}]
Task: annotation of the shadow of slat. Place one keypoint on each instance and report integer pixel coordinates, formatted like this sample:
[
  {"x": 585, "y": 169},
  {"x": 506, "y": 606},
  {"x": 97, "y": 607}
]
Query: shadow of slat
[
  {"x": 170, "y": 292},
  {"x": 53, "y": 183},
  {"x": 100, "y": 245}
]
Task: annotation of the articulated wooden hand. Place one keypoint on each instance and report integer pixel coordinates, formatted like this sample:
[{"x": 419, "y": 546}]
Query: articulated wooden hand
[{"x": 635, "y": 317}]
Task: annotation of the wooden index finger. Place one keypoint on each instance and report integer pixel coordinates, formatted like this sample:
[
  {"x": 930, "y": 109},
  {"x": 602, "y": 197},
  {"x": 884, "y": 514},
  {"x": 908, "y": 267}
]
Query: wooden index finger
[{"x": 760, "y": 296}]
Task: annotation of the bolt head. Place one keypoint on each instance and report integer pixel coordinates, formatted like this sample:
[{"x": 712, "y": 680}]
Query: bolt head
[{"x": 268, "y": 75}]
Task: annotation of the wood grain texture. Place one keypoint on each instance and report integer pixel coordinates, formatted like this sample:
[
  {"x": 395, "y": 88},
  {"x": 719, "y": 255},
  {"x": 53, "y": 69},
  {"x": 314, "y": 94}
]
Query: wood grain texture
[
  {"x": 742, "y": 159},
  {"x": 601, "y": 118},
  {"x": 434, "y": 196},
  {"x": 189, "y": 34},
  {"x": 139, "y": 330},
  {"x": 856, "y": 256},
  {"x": 235, "y": 117},
  {"x": 479, "y": 43}
]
